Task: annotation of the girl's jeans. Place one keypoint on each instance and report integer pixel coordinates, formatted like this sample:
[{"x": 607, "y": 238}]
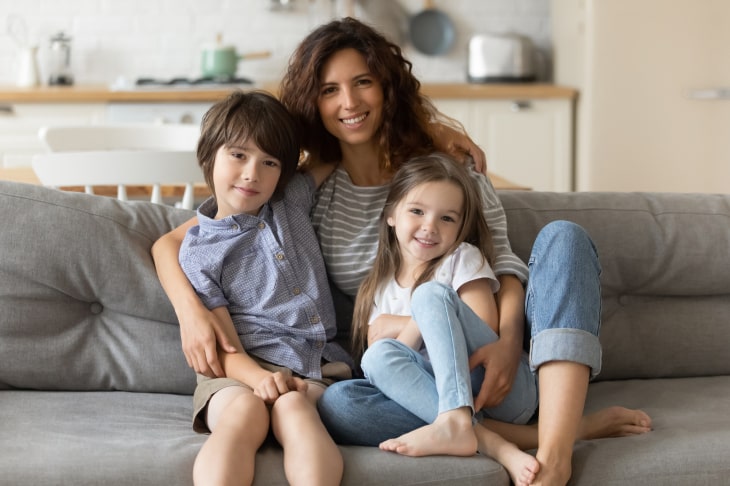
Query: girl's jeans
[{"x": 562, "y": 311}]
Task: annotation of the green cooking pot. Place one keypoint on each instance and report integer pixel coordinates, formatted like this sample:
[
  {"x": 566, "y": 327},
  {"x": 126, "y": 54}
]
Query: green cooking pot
[{"x": 219, "y": 61}]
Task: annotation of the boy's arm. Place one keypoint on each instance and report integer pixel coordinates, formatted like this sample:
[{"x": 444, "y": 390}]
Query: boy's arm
[
  {"x": 242, "y": 367},
  {"x": 199, "y": 329}
]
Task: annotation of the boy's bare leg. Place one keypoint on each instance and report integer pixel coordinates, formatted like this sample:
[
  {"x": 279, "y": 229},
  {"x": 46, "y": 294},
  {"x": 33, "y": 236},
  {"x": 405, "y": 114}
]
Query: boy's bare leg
[
  {"x": 607, "y": 422},
  {"x": 310, "y": 454},
  {"x": 451, "y": 433},
  {"x": 521, "y": 466},
  {"x": 239, "y": 422}
]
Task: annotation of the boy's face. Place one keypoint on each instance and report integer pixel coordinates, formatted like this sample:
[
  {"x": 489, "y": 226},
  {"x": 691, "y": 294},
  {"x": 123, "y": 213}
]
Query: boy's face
[{"x": 244, "y": 178}]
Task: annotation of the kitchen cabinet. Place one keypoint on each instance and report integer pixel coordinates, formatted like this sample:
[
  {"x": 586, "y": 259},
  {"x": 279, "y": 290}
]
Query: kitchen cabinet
[
  {"x": 20, "y": 122},
  {"x": 527, "y": 141}
]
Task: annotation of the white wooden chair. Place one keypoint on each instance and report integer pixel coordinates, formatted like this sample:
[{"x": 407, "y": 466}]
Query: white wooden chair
[
  {"x": 121, "y": 155},
  {"x": 122, "y": 168},
  {"x": 132, "y": 136}
]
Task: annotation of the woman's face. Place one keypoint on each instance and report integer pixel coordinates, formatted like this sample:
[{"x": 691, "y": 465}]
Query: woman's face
[{"x": 350, "y": 100}]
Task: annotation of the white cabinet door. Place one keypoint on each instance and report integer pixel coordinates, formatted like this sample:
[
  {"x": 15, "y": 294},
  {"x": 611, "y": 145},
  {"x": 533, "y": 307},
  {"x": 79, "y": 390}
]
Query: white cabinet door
[
  {"x": 20, "y": 122},
  {"x": 527, "y": 142}
]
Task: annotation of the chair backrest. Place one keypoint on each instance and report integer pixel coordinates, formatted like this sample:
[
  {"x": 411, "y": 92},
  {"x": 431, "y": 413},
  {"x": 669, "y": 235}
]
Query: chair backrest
[
  {"x": 140, "y": 136},
  {"x": 122, "y": 168},
  {"x": 138, "y": 154}
]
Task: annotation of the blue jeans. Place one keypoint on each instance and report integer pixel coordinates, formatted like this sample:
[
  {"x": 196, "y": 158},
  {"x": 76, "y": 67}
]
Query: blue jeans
[
  {"x": 562, "y": 311},
  {"x": 451, "y": 333}
]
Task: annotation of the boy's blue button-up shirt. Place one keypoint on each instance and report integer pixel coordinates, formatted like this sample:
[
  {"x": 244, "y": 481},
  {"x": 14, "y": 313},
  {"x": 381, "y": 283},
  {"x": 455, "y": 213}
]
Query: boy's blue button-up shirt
[{"x": 268, "y": 270}]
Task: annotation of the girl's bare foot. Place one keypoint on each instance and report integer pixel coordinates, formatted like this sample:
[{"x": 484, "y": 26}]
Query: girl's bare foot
[
  {"x": 521, "y": 466},
  {"x": 614, "y": 422},
  {"x": 450, "y": 434}
]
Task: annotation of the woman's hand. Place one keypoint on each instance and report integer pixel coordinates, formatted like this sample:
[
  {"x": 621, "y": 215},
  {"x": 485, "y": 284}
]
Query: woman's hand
[
  {"x": 498, "y": 359},
  {"x": 201, "y": 333},
  {"x": 459, "y": 146}
]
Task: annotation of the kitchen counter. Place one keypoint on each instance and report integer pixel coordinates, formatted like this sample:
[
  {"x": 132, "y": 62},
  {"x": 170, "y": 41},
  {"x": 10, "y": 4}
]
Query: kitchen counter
[{"x": 102, "y": 93}]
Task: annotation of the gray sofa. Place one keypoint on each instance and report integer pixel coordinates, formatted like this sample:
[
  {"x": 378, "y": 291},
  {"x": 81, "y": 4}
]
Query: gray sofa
[{"x": 94, "y": 388}]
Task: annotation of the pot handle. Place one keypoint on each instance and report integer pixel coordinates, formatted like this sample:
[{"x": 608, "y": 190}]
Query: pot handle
[{"x": 254, "y": 55}]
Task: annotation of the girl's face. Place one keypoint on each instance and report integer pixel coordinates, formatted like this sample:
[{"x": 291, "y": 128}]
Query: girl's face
[
  {"x": 427, "y": 222},
  {"x": 244, "y": 179},
  {"x": 350, "y": 101}
]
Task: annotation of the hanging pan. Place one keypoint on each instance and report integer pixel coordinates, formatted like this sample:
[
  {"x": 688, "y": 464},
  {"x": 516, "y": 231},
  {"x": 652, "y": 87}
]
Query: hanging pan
[{"x": 432, "y": 32}]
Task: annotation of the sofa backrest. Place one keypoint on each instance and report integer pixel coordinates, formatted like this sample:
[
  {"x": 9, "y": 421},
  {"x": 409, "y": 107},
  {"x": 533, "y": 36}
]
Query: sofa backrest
[
  {"x": 665, "y": 279},
  {"x": 81, "y": 307}
]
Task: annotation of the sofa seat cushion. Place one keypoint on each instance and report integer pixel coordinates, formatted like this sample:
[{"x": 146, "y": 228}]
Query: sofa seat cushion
[
  {"x": 122, "y": 438},
  {"x": 688, "y": 443}
]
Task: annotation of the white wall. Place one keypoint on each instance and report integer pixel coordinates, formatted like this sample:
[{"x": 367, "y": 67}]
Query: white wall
[{"x": 162, "y": 38}]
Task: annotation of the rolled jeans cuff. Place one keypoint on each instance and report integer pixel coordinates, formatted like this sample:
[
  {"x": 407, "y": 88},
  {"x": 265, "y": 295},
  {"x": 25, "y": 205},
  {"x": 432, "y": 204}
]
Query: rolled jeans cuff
[{"x": 566, "y": 344}]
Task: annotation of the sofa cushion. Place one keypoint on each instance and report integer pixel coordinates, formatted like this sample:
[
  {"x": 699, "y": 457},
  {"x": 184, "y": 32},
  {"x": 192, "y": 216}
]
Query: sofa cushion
[
  {"x": 82, "y": 308},
  {"x": 665, "y": 280}
]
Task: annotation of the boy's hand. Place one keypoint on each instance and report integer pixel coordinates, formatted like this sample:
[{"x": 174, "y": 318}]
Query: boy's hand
[{"x": 277, "y": 384}]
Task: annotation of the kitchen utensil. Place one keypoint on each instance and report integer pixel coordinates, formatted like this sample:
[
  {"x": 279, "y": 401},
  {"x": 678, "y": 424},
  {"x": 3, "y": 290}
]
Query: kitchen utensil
[
  {"x": 59, "y": 61},
  {"x": 27, "y": 66},
  {"x": 432, "y": 32},
  {"x": 221, "y": 61},
  {"x": 498, "y": 58}
]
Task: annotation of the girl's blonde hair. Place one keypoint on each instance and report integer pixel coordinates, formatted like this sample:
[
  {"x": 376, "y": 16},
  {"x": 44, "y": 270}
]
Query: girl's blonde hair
[{"x": 420, "y": 170}]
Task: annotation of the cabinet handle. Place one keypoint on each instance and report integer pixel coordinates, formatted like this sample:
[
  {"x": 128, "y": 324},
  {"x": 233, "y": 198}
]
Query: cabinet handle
[
  {"x": 710, "y": 94},
  {"x": 6, "y": 110},
  {"x": 518, "y": 106}
]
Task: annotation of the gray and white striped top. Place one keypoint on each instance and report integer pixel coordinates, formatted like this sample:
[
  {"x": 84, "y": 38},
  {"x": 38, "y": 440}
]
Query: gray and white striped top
[{"x": 345, "y": 218}]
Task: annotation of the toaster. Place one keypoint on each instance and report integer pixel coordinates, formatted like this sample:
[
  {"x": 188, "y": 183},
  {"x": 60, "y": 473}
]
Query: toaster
[{"x": 500, "y": 58}]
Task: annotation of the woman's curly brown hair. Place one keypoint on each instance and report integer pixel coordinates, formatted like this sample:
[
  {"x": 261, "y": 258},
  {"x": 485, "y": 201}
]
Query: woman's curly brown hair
[{"x": 406, "y": 113}]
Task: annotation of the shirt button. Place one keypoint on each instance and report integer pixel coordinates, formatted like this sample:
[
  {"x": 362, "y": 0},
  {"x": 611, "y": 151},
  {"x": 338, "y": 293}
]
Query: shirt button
[
  {"x": 262, "y": 225},
  {"x": 319, "y": 345},
  {"x": 279, "y": 256},
  {"x": 234, "y": 227},
  {"x": 297, "y": 291},
  {"x": 314, "y": 319}
]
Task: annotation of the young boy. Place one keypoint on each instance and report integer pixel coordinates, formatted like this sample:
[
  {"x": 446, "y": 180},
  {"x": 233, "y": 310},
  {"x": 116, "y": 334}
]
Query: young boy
[{"x": 255, "y": 262}]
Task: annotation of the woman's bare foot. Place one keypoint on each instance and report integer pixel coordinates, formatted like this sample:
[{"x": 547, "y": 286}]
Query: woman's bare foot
[
  {"x": 450, "y": 434},
  {"x": 614, "y": 422},
  {"x": 555, "y": 470}
]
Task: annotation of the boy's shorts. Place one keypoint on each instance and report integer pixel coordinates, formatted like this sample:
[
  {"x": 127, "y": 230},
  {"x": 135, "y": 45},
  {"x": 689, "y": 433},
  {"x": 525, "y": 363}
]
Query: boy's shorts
[{"x": 207, "y": 387}]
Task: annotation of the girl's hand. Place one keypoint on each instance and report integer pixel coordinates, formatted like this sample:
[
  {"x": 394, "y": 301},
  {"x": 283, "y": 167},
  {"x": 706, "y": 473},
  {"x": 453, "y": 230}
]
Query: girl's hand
[
  {"x": 200, "y": 331},
  {"x": 278, "y": 383},
  {"x": 459, "y": 146},
  {"x": 386, "y": 326}
]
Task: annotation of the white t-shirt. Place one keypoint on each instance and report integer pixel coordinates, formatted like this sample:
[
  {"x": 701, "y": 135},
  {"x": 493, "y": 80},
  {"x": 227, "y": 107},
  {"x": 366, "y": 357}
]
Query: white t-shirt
[{"x": 463, "y": 265}]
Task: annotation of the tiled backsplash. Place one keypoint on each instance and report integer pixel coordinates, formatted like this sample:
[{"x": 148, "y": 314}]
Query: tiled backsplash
[{"x": 162, "y": 38}]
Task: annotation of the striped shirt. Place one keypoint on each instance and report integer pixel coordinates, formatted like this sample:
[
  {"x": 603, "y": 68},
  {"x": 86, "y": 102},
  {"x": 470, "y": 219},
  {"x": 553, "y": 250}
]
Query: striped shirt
[{"x": 346, "y": 216}]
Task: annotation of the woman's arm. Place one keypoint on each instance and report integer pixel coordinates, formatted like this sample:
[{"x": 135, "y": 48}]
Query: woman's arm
[
  {"x": 502, "y": 357},
  {"x": 199, "y": 328},
  {"x": 458, "y": 144}
]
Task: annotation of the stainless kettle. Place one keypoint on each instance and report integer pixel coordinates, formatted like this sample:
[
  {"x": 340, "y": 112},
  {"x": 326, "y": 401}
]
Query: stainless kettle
[{"x": 59, "y": 61}]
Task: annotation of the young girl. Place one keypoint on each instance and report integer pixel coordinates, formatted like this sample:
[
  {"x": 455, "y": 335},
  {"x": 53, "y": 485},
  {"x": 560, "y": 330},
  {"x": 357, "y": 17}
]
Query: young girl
[
  {"x": 432, "y": 272},
  {"x": 255, "y": 262}
]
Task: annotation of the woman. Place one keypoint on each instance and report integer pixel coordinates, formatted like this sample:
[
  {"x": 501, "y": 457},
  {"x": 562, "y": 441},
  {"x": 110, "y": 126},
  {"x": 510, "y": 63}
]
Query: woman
[{"x": 359, "y": 105}]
